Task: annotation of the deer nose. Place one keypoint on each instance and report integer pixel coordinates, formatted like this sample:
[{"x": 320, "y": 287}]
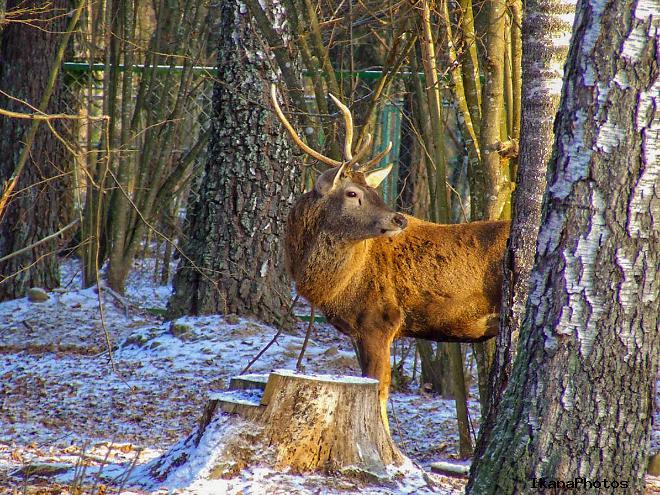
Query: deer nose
[{"x": 400, "y": 221}]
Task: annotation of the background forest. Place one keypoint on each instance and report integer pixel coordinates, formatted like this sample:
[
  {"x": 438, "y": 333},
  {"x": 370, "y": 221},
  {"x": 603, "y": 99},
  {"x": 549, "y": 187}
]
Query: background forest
[{"x": 145, "y": 183}]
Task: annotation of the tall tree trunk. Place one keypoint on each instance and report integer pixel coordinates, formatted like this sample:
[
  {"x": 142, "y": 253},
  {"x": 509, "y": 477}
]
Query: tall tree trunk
[
  {"x": 235, "y": 222},
  {"x": 489, "y": 178},
  {"x": 580, "y": 397},
  {"x": 486, "y": 179},
  {"x": 546, "y": 26},
  {"x": 37, "y": 207}
]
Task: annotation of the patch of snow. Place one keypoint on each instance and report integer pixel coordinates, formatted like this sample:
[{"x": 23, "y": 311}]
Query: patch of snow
[
  {"x": 249, "y": 397},
  {"x": 62, "y": 401},
  {"x": 328, "y": 378}
]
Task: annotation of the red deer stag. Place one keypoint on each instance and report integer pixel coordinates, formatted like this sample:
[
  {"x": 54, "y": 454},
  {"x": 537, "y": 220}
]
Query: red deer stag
[{"x": 378, "y": 275}]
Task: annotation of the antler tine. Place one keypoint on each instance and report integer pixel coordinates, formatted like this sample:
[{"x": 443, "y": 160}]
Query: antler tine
[
  {"x": 294, "y": 134},
  {"x": 350, "y": 165},
  {"x": 348, "y": 119},
  {"x": 364, "y": 149},
  {"x": 377, "y": 158}
]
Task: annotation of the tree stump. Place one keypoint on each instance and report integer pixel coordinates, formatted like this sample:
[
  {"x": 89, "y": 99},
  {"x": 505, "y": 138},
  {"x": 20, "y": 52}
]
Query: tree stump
[{"x": 299, "y": 423}]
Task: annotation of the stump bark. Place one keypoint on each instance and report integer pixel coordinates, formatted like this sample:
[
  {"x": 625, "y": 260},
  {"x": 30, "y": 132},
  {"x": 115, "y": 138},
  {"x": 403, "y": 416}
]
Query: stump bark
[{"x": 289, "y": 421}]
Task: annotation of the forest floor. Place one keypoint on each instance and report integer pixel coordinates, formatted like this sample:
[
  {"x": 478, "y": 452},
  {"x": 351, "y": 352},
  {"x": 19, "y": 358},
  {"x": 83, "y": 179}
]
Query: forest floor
[{"x": 73, "y": 415}]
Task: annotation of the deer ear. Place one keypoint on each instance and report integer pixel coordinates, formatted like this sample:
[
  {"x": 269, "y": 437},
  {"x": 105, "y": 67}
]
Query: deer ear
[
  {"x": 374, "y": 178},
  {"x": 325, "y": 182}
]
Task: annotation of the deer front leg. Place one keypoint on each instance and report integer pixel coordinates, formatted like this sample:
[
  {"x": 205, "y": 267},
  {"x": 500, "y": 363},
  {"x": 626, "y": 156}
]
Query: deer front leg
[{"x": 374, "y": 355}]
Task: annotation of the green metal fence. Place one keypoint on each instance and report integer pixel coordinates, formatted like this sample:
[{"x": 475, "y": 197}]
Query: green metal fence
[{"x": 85, "y": 85}]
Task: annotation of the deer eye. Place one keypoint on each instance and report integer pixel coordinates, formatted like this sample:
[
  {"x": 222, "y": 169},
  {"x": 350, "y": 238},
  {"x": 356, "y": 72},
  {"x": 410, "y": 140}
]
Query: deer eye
[{"x": 351, "y": 194}]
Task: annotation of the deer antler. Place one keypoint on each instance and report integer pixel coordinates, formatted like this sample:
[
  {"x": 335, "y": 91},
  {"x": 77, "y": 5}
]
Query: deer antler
[
  {"x": 348, "y": 120},
  {"x": 294, "y": 135},
  {"x": 361, "y": 152},
  {"x": 348, "y": 142},
  {"x": 374, "y": 161},
  {"x": 351, "y": 161}
]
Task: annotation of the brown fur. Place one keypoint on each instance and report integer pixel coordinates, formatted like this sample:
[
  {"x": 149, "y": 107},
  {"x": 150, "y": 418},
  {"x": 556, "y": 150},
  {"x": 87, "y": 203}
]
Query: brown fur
[{"x": 431, "y": 281}]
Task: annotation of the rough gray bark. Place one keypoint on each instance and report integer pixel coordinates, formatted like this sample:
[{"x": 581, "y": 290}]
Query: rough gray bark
[
  {"x": 38, "y": 206},
  {"x": 546, "y": 33},
  {"x": 580, "y": 397},
  {"x": 235, "y": 222}
]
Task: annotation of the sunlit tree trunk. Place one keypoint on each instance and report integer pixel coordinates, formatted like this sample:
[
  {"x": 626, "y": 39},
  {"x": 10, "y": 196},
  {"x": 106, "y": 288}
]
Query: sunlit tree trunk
[
  {"x": 486, "y": 179},
  {"x": 235, "y": 221},
  {"x": 580, "y": 398},
  {"x": 37, "y": 206},
  {"x": 3, "y": 11},
  {"x": 489, "y": 174},
  {"x": 547, "y": 28}
]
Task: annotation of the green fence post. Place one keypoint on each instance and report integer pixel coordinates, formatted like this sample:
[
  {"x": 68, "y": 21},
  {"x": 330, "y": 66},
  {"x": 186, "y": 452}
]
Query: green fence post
[{"x": 390, "y": 130}]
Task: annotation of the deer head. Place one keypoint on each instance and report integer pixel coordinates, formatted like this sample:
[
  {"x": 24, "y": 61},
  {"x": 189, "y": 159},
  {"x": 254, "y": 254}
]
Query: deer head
[
  {"x": 431, "y": 281},
  {"x": 351, "y": 208}
]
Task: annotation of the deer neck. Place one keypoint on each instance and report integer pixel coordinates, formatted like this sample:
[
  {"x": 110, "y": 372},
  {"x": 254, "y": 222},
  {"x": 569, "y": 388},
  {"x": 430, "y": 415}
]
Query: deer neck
[{"x": 332, "y": 269}]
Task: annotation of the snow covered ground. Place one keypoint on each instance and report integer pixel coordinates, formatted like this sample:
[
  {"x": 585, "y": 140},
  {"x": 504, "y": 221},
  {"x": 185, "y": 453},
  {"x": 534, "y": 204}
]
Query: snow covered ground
[
  {"x": 69, "y": 409},
  {"x": 65, "y": 402}
]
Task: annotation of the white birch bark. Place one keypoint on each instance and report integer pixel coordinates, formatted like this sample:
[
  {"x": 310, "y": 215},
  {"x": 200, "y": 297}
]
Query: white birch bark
[
  {"x": 547, "y": 26},
  {"x": 579, "y": 402}
]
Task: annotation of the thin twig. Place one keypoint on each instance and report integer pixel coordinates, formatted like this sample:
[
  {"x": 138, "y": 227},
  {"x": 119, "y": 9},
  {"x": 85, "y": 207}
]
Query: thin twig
[
  {"x": 272, "y": 341},
  {"x": 35, "y": 244},
  {"x": 47, "y": 117},
  {"x": 307, "y": 334},
  {"x": 29, "y": 326},
  {"x": 129, "y": 471},
  {"x": 104, "y": 462},
  {"x": 97, "y": 268}
]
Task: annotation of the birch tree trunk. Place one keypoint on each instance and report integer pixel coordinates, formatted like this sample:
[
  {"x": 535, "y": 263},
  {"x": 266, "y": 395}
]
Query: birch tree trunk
[
  {"x": 234, "y": 226},
  {"x": 547, "y": 28},
  {"x": 580, "y": 398}
]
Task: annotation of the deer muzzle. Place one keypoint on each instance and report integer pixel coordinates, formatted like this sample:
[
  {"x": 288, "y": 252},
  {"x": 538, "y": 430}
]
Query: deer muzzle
[{"x": 396, "y": 224}]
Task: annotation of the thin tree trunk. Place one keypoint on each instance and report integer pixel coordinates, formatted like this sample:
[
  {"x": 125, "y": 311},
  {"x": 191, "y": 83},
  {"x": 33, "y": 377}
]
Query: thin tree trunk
[
  {"x": 543, "y": 59},
  {"x": 157, "y": 120},
  {"x": 119, "y": 203},
  {"x": 486, "y": 179},
  {"x": 436, "y": 368},
  {"x": 470, "y": 63},
  {"x": 437, "y": 174},
  {"x": 516, "y": 62},
  {"x": 3, "y": 11},
  {"x": 465, "y": 104},
  {"x": 491, "y": 113},
  {"x": 589, "y": 343}
]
